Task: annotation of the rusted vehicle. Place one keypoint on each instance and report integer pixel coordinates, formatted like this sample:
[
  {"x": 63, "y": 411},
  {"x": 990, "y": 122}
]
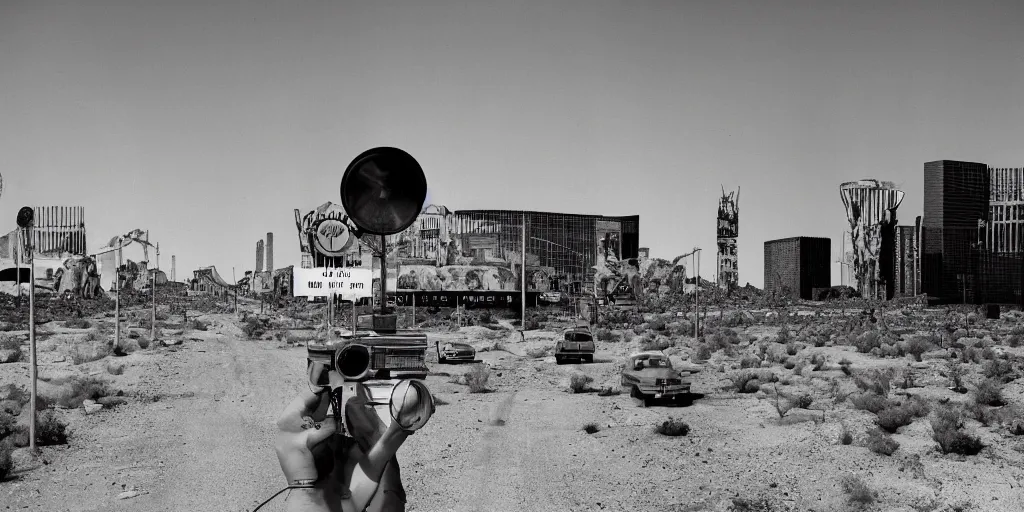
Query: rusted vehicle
[
  {"x": 454, "y": 352},
  {"x": 649, "y": 376},
  {"x": 578, "y": 344}
]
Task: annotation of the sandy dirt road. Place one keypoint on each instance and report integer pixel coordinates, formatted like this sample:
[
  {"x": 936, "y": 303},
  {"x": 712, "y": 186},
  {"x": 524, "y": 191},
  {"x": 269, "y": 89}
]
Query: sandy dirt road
[{"x": 206, "y": 443}]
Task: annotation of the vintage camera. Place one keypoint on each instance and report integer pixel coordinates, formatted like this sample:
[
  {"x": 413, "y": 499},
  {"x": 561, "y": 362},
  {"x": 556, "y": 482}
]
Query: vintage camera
[{"x": 382, "y": 191}]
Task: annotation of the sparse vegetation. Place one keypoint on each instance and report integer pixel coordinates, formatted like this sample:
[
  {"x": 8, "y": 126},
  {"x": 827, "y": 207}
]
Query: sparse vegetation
[
  {"x": 591, "y": 428},
  {"x": 857, "y": 490},
  {"x": 673, "y": 428},
  {"x": 89, "y": 352},
  {"x": 880, "y": 442},
  {"x": 75, "y": 390},
  {"x": 77, "y": 323},
  {"x": 947, "y": 431},
  {"x": 845, "y": 436},
  {"x": 989, "y": 392},
  {"x": 580, "y": 383},
  {"x": 198, "y": 325},
  {"x": 51, "y": 430}
]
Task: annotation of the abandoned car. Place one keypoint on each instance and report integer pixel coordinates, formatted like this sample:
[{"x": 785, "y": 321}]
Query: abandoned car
[
  {"x": 454, "y": 352},
  {"x": 649, "y": 376},
  {"x": 577, "y": 343}
]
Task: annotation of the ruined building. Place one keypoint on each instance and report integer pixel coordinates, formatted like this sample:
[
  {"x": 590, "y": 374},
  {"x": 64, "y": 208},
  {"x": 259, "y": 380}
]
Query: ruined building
[
  {"x": 728, "y": 233},
  {"x": 871, "y": 210}
]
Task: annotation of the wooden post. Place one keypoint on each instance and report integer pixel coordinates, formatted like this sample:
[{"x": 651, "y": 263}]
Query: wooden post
[
  {"x": 117, "y": 298},
  {"x": 522, "y": 271},
  {"x": 152, "y": 328}
]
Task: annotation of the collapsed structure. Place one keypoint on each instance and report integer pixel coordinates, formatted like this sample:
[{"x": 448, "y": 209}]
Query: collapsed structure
[
  {"x": 728, "y": 234},
  {"x": 871, "y": 210}
]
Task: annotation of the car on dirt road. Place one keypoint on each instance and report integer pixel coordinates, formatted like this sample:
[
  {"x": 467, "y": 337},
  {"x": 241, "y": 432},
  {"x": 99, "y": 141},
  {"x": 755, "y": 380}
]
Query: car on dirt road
[
  {"x": 454, "y": 352},
  {"x": 578, "y": 344},
  {"x": 649, "y": 376}
]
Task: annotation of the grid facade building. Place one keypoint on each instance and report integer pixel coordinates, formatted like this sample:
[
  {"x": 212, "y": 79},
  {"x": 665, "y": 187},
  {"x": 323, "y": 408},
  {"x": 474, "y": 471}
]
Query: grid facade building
[
  {"x": 568, "y": 243},
  {"x": 797, "y": 267},
  {"x": 907, "y": 275},
  {"x": 1004, "y": 231},
  {"x": 956, "y": 202}
]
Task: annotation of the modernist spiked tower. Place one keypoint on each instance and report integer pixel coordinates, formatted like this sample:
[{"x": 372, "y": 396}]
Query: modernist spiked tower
[
  {"x": 871, "y": 209},
  {"x": 728, "y": 231}
]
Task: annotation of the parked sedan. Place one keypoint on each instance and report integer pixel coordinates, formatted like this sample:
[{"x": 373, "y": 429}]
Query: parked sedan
[
  {"x": 649, "y": 376},
  {"x": 454, "y": 352}
]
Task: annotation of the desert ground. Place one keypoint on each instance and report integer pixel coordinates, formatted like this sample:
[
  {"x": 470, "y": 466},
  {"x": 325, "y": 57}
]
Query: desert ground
[{"x": 803, "y": 407}]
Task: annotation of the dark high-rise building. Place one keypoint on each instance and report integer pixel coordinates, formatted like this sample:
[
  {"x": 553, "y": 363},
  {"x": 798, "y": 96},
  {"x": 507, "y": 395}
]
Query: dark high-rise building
[
  {"x": 956, "y": 201},
  {"x": 798, "y": 266}
]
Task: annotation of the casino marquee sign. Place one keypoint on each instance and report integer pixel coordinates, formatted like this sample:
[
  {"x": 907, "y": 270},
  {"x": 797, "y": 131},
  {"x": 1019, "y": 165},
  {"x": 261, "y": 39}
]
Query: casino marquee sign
[{"x": 324, "y": 234}]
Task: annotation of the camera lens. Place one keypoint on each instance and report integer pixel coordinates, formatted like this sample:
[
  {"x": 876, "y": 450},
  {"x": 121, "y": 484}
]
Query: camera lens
[{"x": 353, "y": 361}]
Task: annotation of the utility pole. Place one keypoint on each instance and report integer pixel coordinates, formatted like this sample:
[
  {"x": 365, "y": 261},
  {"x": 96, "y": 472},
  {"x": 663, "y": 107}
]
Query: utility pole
[
  {"x": 117, "y": 298},
  {"x": 32, "y": 336},
  {"x": 234, "y": 281},
  {"x": 522, "y": 271}
]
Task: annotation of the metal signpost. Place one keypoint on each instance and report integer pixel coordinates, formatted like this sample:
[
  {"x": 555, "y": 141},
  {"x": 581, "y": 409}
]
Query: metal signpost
[{"x": 26, "y": 222}]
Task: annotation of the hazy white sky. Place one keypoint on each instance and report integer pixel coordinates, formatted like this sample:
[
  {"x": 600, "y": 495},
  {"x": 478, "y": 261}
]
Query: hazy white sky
[{"x": 208, "y": 122}]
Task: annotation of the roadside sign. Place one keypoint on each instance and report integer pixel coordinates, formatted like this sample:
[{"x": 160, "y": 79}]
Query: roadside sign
[{"x": 348, "y": 283}]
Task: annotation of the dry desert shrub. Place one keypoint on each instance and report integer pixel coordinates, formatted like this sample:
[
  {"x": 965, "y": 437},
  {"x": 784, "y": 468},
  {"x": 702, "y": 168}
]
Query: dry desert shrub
[
  {"x": 603, "y": 334},
  {"x": 880, "y": 442},
  {"x": 673, "y": 428},
  {"x": 198, "y": 325},
  {"x": 918, "y": 345},
  {"x": 818, "y": 362},
  {"x": 857, "y": 491},
  {"x": 867, "y": 341},
  {"x": 580, "y": 383},
  {"x": 869, "y": 402},
  {"x": 947, "y": 431},
  {"x": 875, "y": 381},
  {"x": 895, "y": 416},
  {"x": 74, "y": 390},
  {"x": 745, "y": 382},
  {"x": 477, "y": 378},
  {"x": 989, "y": 392},
  {"x": 51, "y": 430},
  {"x": 89, "y": 352},
  {"x": 703, "y": 352},
  {"x": 591, "y": 428},
  {"x": 750, "y": 361},
  {"x": 1000, "y": 369},
  {"x": 77, "y": 323}
]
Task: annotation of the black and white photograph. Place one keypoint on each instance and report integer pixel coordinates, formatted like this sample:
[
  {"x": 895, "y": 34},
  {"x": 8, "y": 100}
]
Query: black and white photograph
[{"x": 445, "y": 255}]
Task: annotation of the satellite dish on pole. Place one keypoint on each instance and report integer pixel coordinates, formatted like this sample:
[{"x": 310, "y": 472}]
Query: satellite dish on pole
[{"x": 383, "y": 191}]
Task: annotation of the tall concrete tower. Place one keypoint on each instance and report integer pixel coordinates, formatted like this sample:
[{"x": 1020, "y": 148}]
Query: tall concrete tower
[
  {"x": 270, "y": 253},
  {"x": 259, "y": 256}
]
